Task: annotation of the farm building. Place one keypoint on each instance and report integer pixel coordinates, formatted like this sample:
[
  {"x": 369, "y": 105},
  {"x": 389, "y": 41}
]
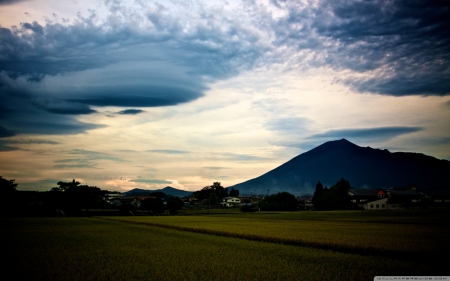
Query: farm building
[
  {"x": 390, "y": 199},
  {"x": 230, "y": 201}
]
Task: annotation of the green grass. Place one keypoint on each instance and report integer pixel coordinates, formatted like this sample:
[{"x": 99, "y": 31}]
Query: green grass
[{"x": 98, "y": 249}]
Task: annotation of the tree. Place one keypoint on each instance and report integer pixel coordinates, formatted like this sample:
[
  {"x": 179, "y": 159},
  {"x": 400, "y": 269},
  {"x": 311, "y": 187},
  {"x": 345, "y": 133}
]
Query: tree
[
  {"x": 73, "y": 196},
  {"x": 155, "y": 205},
  {"x": 206, "y": 193},
  {"x": 9, "y": 205},
  {"x": 219, "y": 190},
  {"x": 64, "y": 186},
  {"x": 7, "y": 186},
  {"x": 334, "y": 198},
  {"x": 158, "y": 194},
  {"x": 174, "y": 204},
  {"x": 317, "y": 192},
  {"x": 282, "y": 201},
  {"x": 234, "y": 192}
]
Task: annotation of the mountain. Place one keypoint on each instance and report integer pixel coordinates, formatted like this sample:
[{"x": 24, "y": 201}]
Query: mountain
[
  {"x": 363, "y": 167},
  {"x": 168, "y": 190}
]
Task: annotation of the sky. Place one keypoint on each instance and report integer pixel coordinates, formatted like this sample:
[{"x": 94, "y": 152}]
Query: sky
[{"x": 147, "y": 94}]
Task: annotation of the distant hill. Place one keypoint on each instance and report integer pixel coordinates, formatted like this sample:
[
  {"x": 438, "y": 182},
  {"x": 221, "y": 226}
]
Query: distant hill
[
  {"x": 363, "y": 167},
  {"x": 168, "y": 190}
]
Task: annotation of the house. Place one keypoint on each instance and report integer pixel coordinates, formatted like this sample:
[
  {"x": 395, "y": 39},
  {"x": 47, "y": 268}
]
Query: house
[
  {"x": 390, "y": 199},
  {"x": 135, "y": 201},
  {"x": 437, "y": 197},
  {"x": 362, "y": 196},
  {"x": 405, "y": 197},
  {"x": 112, "y": 196},
  {"x": 230, "y": 201},
  {"x": 381, "y": 204}
]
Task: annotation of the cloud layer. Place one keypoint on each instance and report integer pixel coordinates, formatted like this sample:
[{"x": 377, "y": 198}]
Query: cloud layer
[{"x": 152, "y": 55}]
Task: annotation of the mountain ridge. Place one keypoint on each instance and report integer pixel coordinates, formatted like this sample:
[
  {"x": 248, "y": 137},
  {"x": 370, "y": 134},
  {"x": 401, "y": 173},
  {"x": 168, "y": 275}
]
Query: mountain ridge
[
  {"x": 364, "y": 167},
  {"x": 168, "y": 190}
]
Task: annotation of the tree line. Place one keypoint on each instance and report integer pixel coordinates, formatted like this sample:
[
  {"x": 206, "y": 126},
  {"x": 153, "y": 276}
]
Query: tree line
[
  {"x": 334, "y": 198},
  {"x": 69, "y": 198},
  {"x": 72, "y": 196}
]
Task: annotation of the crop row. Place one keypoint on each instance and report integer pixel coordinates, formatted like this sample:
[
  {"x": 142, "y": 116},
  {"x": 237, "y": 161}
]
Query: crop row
[
  {"x": 226, "y": 230},
  {"x": 423, "y": 240}
]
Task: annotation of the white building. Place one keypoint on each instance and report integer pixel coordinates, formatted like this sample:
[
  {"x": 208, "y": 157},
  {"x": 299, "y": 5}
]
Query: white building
[
  {"x": 230, "y": 201},
  {"x": 381, "y": 204}
]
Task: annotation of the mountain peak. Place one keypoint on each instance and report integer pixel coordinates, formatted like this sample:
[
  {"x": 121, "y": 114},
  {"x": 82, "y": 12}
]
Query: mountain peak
[
  {"x": 342, "y": 142},
  {"x": 364, "y": 167},
  {"x": 335, "y": 144}
]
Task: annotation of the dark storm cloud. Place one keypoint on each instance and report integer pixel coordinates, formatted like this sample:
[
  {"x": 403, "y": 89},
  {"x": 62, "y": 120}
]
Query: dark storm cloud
[
  {"x": 406, "y": 43},
  {"x": 143, "y": 58},
  {"x": 427, "y": 84},
  {"x": 50, "y": 126},
  {"x": 24, "y": 113},
  {"x": 5, "y": 147},
  {"x": 5, "y": 132},
  {"x": 152, "y": 97},
  {"x": 32, "y": 141},
  {"x": 8, "y": 2},
  {"x": 5, "y": 143},
  {"x": 382, "y": 133},
  {"x": 134, "y": 58},
  {"x": 130, "y": 111}
]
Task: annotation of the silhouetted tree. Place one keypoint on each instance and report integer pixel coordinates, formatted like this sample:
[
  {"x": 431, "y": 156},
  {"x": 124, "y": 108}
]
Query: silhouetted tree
[
  {"x": 318, "y": 191},
  {"x": 206, "y": 193},
  {"x": 72, "y": 196},
  {"x": 234, "y": 192},
  {"x": 334, "y": 198},
  {"x": 9, "y": 204},
  {"x": 7, "y": 186},
  {"x": 158, "y": 194},
  {"x": 220, "y": 190},
  {"x": 155, "y": 205},
  {"x": 282, "y": 201},
  {"x": 64, "y": 186},
  {"x": 174, "y": 204}
]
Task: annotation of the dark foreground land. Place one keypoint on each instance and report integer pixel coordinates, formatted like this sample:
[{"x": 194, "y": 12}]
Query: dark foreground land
[{"x": 344, "y": 245}]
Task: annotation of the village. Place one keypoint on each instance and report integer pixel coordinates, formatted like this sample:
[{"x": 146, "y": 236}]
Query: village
[
  {"x": 363, "y": 199},
  {"x": 74, "y": 199}
]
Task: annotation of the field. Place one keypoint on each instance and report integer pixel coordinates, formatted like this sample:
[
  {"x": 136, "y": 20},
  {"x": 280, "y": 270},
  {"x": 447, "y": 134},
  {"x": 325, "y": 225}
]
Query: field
[{"x": 229, "y": 246}]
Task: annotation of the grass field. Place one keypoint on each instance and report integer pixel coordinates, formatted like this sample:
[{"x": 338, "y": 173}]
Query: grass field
[{"x": 222, "y": 246}]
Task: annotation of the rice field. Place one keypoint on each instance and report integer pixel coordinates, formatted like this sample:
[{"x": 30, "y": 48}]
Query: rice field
[
  {"x": 138, "y": 248},
  {"x": 341, "y": 231}
]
